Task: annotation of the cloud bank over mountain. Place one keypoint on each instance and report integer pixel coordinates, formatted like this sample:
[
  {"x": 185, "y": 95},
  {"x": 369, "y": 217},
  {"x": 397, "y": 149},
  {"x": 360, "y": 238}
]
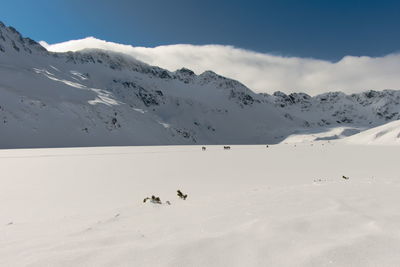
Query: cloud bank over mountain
[{"x": 259, "y": 71}]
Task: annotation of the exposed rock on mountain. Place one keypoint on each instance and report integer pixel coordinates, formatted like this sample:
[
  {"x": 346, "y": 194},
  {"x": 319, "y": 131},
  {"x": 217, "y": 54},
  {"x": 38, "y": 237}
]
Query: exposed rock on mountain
[{"x": 97, "y": 97}]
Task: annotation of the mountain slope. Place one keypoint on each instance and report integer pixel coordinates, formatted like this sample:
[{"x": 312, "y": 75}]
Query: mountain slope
[
  {"x": 334, "y": 109},
  {"x": 387, "y": 134},
  {"x": 101, "y": 98}
]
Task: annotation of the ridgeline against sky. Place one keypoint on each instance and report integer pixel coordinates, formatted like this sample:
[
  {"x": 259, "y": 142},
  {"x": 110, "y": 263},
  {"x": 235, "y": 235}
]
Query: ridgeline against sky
[{"x": 318, "y": 29}]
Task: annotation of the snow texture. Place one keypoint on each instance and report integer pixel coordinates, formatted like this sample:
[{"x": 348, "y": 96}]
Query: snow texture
[
  {"x": 285, "y": 205},
  {"x": 387, "y": 134}
]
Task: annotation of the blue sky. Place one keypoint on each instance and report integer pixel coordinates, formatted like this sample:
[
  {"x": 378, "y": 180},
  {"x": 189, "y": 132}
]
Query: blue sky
[{"x": 324, "y": 29}]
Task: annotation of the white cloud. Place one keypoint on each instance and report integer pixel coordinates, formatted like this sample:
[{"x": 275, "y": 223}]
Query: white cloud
[
  {"x": 262, "y": 72},
  {"x": 44, "y": 44}
]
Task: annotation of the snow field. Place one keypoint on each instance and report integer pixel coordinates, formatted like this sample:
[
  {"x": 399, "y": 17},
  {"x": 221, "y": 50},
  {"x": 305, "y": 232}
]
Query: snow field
[{"x": 285, "y": 205}]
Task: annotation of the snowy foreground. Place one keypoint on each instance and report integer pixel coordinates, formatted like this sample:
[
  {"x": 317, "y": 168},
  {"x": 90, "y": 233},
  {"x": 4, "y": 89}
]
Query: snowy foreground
[{"x": 286, "y": 205}]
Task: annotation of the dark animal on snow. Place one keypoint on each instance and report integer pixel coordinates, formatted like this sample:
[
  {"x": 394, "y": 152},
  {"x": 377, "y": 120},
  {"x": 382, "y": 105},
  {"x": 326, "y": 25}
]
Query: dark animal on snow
[{"x": 181, "y": 195}]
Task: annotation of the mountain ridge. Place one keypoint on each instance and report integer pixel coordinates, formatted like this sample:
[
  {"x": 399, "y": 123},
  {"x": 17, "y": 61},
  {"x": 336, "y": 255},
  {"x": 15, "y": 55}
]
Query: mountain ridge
[{"x": 96, "y": 97}]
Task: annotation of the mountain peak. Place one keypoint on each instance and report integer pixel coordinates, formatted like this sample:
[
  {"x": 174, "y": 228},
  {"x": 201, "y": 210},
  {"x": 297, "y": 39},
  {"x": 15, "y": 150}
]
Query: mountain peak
[
  {"x": 105, "y": 95},
  {"x": 185, "y": 71},
  {"x": 12, "y": 41}
]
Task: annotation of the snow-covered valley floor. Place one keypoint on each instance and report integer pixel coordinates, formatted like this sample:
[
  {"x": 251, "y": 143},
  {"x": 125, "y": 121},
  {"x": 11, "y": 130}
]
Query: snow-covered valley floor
[{"x": 285, "y": 205}]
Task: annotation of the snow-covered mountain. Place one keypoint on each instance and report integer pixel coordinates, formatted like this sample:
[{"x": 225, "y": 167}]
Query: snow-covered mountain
[
  {"x": 97, "y": 97},
  {"x": 335, "y": 108}
]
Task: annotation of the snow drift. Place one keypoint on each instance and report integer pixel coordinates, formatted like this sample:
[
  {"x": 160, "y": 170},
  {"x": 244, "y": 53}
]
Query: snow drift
[{"x": 387, "y": 134}]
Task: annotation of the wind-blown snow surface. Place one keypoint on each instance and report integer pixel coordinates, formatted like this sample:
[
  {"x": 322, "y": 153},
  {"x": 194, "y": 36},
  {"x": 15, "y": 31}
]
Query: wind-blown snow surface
[
  {"x": 285, "y": 205},
  {"x": 321, "y": 135},
  {"x": 387, "y": 134}
]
